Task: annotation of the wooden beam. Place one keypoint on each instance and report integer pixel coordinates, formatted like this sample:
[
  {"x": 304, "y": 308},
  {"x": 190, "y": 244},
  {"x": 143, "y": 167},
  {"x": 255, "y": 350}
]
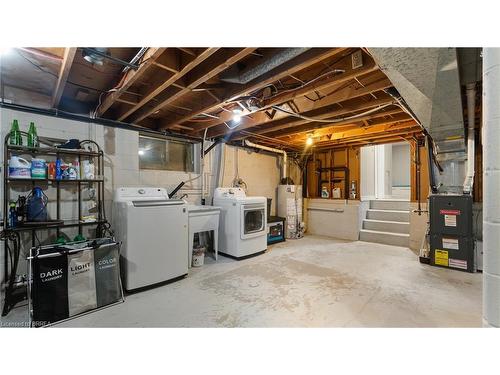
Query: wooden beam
[
  {"x": 328, "y": 81},
  {"x": 374, "y": 141},
  {"x": 67, "y": 62},
  {"x": 170, "y": 81},
  {"x": 130, "y": 78},
  {"x": 373, "y": 132},
  {"x": 300, "y": 62},
  {"x": 323, "y": 113},
  {"x": 319, "y": 130},
  {"x": 331, "y": 80},
  {"x": 216, "y": 64},
  {"x": 347, "y": 93}
]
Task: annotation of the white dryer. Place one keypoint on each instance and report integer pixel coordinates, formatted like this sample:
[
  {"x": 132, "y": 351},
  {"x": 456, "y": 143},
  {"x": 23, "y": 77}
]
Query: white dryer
[
  {"x": 242, "y": 224},
  {"x": 153, "y": 230}
]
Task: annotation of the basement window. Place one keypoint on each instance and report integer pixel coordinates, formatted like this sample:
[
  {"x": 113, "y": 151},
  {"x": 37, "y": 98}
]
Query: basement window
[{"x": 165, "y": 154}]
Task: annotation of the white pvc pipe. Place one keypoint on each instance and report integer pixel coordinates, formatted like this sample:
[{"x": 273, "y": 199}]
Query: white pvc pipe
[
  {"x": 270, "y": 149},
  {"x": 471, "y": 118},
  {"x": 491, "y": 187}
]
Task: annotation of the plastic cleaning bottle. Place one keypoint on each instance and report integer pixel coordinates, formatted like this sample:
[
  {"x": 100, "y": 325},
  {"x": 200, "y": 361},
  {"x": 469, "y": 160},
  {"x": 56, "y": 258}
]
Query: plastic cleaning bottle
[
  {"x": 33, "y": 136},
  {"x": 15, "y": 134},
  {"x": 37, "y": 205},
  {"x": 12, "y": 214},
  {"x": 58, "y": 169}
]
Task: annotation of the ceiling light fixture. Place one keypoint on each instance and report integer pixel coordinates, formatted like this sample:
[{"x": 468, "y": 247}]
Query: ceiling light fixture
[
  {"x": 94, "y": 55},
  {"x": 309, "y": 140},
  {"x": 5, "y": 51},
  {"x": 237, "y": 115}
]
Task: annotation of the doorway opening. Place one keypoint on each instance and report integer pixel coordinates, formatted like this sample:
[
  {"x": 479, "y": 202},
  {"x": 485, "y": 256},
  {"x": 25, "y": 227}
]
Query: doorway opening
[{"x": 385, "y": 172}]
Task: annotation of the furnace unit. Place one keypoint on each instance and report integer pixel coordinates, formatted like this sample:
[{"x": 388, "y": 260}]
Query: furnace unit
[{"x": 451, "y": 234}]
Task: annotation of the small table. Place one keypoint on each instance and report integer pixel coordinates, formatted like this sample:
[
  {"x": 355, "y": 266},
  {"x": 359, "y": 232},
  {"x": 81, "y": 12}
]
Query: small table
[{"x": 203, "y": 219}]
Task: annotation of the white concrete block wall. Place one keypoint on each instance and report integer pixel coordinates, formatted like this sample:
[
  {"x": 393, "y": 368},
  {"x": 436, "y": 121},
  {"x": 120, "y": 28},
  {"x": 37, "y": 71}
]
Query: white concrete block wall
[{"x": 260, "y": 171}]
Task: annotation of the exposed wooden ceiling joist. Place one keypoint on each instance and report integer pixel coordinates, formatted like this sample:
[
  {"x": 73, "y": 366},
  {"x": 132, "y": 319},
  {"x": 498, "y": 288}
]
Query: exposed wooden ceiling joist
[
  {"x": 330, "y": 80},
  {"x": 67, "y": 62},
  {"x": 130, "y": 78},
  {"x": 300, "y": 133},
  {"x": 300, "y": 62},
  {"x": 206, "y": 53},
  {"x": 372, "y": 132},
  {"x": 347, "y": 93},
  {"x": 325, "y": 113},
  {"x": 200, "y": 74}
]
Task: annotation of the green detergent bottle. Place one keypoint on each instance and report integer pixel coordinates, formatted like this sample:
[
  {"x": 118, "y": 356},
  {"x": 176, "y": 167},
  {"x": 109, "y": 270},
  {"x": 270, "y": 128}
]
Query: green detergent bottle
[
  {"x": 32, "y": 136},
  {"x": 15, "y": 134}
]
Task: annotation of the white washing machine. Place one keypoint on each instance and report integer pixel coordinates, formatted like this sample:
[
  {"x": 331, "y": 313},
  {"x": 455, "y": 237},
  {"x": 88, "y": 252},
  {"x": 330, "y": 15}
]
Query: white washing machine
[
  {"x": 153, "y": 230},
  {"x": 242, "y": 223}
]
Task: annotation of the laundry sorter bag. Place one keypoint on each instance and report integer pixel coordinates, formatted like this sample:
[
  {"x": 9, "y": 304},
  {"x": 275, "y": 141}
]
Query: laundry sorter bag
[
  {"x": 50, "y": 281},
  {"x": 81, "y": 282},
  {"x": 107, "y": 274},
  {"x": 68, "y": 280}
]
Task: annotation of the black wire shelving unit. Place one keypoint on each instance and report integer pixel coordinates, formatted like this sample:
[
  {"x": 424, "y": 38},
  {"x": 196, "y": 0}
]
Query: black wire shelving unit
[{"x": 94, "y": 153}]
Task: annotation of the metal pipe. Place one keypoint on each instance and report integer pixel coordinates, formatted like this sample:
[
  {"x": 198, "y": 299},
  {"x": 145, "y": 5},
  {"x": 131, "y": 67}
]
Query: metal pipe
[
  {"x": 89, "y": 120},
  {"x": 109, "y": 57},
  {"x": 471, "y": 117},
  {"x": 491, "y": 187},
  {"x": 275, "y": 150},
  {"x": 417, "y": 175},
  {"x": 430, "y": 156},
  {"x": 136, "y": 58}
]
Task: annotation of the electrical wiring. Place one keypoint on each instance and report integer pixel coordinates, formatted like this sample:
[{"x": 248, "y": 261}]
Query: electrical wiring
[
  {"x": 339, "y": 119},
  {"x": 14, "y": 255},
  {"x": 334, "y": 71}
]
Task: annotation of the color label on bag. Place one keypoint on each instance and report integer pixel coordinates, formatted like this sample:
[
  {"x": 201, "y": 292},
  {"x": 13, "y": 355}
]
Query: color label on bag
[
  {"x": 81, "y": 282},
  {"x": 107, "y": 275},
  {"x": 441, "y": 258},
  {"x": 458, "y": 263}
]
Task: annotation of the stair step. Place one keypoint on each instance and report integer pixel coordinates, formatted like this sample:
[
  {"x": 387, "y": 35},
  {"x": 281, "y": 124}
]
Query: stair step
[
  {"x": 389, "y": 204},
  {"x": 387, "y": 238},
  {"x": 388, "y": 215},
  {"x": 387, "y": 226}
]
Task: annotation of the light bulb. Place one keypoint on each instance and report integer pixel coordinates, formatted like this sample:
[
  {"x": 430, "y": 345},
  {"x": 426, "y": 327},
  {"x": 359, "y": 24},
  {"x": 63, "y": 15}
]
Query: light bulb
[
  {"x": 237, "y": 115},
  {"x": 309, "y": 141},
  {"x": 5, "y": 51},
  {"x": 141, "y": 152}
]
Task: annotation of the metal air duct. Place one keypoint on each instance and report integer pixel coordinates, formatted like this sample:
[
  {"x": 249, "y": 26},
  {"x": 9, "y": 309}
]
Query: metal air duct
[
  {"x": 249, "y": 73},
  {"x": 428, "y": 81},
  {"x": 471, "y": 119}
]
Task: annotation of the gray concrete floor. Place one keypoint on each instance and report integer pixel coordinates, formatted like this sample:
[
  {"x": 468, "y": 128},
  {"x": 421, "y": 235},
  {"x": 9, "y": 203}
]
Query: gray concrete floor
[{"x": 311, "y": 282}]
